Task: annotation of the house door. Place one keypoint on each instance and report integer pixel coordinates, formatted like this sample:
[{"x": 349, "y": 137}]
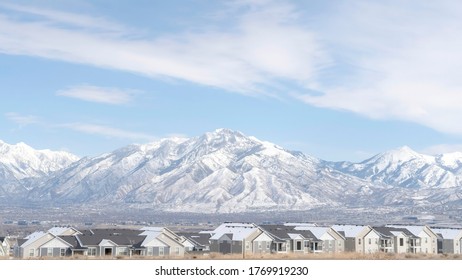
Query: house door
[
  {"x": 225, "y": 247},
  {"x": 108, "y": 251}
]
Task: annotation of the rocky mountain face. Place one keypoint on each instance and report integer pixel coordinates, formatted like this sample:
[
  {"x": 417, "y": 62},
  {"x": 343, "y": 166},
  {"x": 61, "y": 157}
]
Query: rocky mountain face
[{"x": 225, "y": 171}]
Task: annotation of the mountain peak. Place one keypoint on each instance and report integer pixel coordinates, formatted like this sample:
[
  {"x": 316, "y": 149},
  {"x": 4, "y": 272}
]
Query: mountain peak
[{"x": 403, "y": 154}]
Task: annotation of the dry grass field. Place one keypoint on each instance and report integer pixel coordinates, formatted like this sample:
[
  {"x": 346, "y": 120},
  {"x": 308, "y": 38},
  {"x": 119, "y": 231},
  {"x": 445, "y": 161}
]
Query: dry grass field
[{"x": 217, "y": 256}]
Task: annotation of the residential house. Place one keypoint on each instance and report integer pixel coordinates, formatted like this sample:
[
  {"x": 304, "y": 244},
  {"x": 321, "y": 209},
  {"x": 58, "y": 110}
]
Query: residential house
[
  {"x": 374, "y": 242},
  {"x": 354, "y": 237},
  {"x": 395, "y": 240},
  {"x": 449, "y": 240},
  {"x": 233, "y": 238},
  {"x": 160, "y": 242},
  {"x": 4, "y": 247},
  {"x": 108, "y": 242},
  {"x": 428, "y": 239},
  {"x": 332, "y": 241},
  {"x": 29, "y": 247},
  {"x": 287, "y": 239},
  {"x": 195, "y": 242}
]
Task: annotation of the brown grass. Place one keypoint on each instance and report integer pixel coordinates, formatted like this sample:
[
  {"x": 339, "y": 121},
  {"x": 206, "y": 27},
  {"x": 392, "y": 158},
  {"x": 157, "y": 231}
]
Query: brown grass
[{"x": 289, "y": 256}]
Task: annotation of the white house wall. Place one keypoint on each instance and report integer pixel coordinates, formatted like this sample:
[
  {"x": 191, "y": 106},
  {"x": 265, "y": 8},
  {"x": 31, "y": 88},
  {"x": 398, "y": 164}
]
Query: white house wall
[{"x": 371, "y": 242}]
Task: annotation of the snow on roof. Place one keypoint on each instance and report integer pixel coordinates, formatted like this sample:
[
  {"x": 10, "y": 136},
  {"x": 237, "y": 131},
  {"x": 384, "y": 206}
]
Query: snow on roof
[
  {"x": 416, "y": 230},
  {"x": 349, "y": 230},
  {"x": 33, "y": 237},
  {"x": 239, "y": 231},
  {"x": 317, "y": 231},
  {"x": 301, "y": 224},
  {"x": 396, "y": 233},
  {"x": 58, "y": 230},
  {"x": 448, "y": 233},
  {"x": 150, "y": 236},
  {"x": 152, "y": 229}
]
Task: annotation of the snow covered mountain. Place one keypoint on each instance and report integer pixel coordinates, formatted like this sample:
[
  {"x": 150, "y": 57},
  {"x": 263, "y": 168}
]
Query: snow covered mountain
[
  {"x": 225, "y": 171},
  {"x": 21, "y": 166},
  {"x": 415, "y": 178},
  {"x": 222, "y": 171}
]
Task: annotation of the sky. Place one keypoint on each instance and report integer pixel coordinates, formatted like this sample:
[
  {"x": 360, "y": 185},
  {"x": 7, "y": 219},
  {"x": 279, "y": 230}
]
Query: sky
[{"x": 338, "y": 80}]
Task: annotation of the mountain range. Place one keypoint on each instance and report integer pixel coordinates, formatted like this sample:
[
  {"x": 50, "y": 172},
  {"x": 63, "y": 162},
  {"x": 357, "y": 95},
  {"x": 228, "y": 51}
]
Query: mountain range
[{"x": 225, "y": 171}]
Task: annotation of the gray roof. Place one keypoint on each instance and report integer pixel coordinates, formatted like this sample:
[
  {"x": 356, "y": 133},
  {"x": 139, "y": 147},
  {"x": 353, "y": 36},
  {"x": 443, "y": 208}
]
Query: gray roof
[
  {"x": 121, "y": 237},
  {"x": 72, "y": 240},
  {"x": 201, "y": 239},
  {"x": 388, "y": 231},
  {"x": 282, "y": 232}
]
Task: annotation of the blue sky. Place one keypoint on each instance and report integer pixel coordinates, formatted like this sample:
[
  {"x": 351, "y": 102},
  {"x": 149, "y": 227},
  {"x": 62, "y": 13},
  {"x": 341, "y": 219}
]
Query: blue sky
[{"x": 339, "y": 80}]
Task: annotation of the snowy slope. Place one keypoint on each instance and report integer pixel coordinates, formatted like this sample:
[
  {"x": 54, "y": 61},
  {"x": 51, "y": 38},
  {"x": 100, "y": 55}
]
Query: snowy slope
[
  {"x": 21, "y": 166},
  {"x": 417, "y": 179},
  {"x": 221, "y": 171},
  {"x": 225, "y": 171}
]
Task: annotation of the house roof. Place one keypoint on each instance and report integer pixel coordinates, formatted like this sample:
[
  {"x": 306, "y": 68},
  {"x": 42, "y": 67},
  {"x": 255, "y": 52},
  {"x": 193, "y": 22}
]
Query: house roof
[
  {"x": 393, "y": 231},
  {"x": 149, "y": 236},
  {"x": 201, "y": 239},
  {"x": 416, "y": 230},
  {"x": 73, "y": 241},
  {"x": 318, "y": 232},
  {"x": 283, "y": 232},
  {"x": 60, "y": 230},
  {"x": 349, "y": 230},
  {"x": 118, "y": 238},
  {"x": 33, "y": 237},
  {"x": 448, "y": 233},
  {"x": 239, "y": 231}
]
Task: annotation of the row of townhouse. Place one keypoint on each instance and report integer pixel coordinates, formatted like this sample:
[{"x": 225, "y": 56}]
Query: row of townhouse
[
  {"x": 68, "y": 241},
  {"x": 247, "y": 238},
  {"x": 240, "y": 238}
]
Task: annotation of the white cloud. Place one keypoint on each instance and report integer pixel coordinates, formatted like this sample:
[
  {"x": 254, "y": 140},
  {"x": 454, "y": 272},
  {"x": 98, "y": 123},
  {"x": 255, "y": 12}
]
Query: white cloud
[
  {"x": 402, "y": 61},
  {"x": 22, "y": 120},
  {"x": 99, "y": 94},
  {"x": 87, "y": 128},
  {"x": 266, "y": 47},
  {"x": 108, "y": 131}
]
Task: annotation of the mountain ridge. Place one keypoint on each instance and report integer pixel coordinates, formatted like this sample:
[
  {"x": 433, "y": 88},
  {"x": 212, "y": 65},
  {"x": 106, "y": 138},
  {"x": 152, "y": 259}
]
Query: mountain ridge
[{"x": 226, "y": 171}]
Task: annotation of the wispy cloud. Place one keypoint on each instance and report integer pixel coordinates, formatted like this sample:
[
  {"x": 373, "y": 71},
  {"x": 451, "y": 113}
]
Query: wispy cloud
[
  {"x": 22, "y": 120},
  {"x": 400, "y": 60},
  {"x": 108, "y": 131},
  {"x": 267, "y": 47},
  {"x": 87, "y": 128},
  {"x": 99, "y": 94}
]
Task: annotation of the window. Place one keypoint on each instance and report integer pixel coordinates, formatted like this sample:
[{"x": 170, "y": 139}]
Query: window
[
  {"x": 299, "y": 245},
  {"x": 49, "y": 252},
  {"x": 267, "y": 245},
  {"x": 259, "y": 245},
  {"x": 161, "y": 251},
  {"x": 177, "y": 251},
  {"x": 149, "y": 251},
  {"x": 247, "y": 245},
  {"x": 401, "y": 242},
  {"x": 370, "y": 241},
  {"x": 91, "y": 251},
  {"x": 359, "y": 241},
  {"x": 426, "y": 241},
  {"x": 62, "y": 252},
  {"x": 123, "y": 251},
  {"x": 31, "y": 252}
]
